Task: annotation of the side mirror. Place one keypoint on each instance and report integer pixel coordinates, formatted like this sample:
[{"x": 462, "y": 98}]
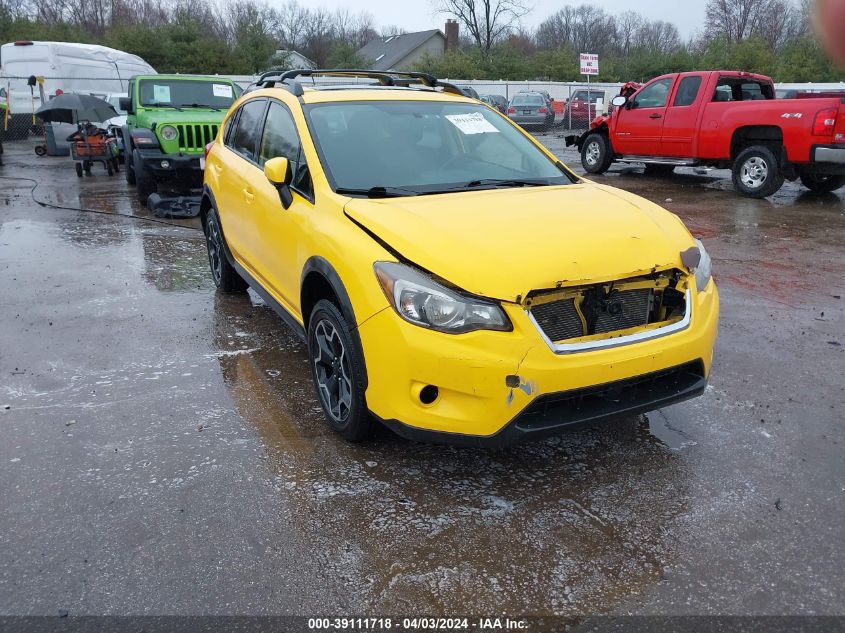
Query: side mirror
[
  {"x": 125, "y": 104},
  {"x": 277, "y": 171},
  {"x": 619, "y": 101}
]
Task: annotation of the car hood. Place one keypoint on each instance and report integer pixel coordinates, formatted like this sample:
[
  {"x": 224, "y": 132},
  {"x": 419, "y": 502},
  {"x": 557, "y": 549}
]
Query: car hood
[
  {"x": 503, "y": 243},
  {"x": 174, "y": 117}
]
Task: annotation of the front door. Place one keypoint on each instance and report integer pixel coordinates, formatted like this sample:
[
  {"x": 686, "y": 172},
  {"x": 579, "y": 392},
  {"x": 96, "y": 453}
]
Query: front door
[
  {"x": 639, "y": 125},
  {"x": 281, "y": 228}
]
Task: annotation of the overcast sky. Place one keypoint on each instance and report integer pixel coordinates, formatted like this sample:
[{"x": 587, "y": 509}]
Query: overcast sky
[{"x": 418, "y": 15}]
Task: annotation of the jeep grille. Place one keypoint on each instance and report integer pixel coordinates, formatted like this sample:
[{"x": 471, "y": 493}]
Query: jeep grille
[{"x": 194, "y": 138}]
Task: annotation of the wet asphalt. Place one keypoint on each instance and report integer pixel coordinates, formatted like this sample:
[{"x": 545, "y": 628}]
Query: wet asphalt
[{"x": 162, "y": 450}]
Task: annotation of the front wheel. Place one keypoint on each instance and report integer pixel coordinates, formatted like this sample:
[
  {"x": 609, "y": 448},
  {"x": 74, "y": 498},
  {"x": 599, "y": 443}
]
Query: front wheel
[
  {"x": 337, "y": 367},
  {"x": 595, "y": 154},
  {"x": 822, "y": 183},
  {"x": 144, "y": 181},
  {"x": 756, "y": 172}
]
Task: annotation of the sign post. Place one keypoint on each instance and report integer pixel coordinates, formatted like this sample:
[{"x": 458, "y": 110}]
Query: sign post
[{"x": 589, "y": 66}]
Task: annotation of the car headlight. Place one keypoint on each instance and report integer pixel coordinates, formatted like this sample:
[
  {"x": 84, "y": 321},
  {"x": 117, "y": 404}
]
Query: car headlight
[
  {"x": 703, "y": 271},
  {"x": 169, "y": 133},
  {"x": 420, "y": 300}
]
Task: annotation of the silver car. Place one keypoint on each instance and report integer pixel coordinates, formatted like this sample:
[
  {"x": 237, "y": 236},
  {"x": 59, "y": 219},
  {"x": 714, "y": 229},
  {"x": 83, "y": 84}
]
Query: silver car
[{"x": 530, "y": 108}]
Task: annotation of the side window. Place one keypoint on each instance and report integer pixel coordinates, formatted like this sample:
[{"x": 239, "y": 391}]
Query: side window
[
  {"x": 243, "y": 138},
  {"x": 687, "y": 91},
  {"x": 281, "y": 139},
  {"x": 654, "y": 95},
  {"x": 227, "y": 129}
]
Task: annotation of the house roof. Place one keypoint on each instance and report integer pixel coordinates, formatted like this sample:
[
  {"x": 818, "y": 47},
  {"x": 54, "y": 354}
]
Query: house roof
[{"x": 385, "y": 52}]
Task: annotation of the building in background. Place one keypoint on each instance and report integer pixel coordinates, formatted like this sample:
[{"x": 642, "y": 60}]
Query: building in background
[
  {"x": 292, "y": 60},
  {"x": 396, "y": 52}
]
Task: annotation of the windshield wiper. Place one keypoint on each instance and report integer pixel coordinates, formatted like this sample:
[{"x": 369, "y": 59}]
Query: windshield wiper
[
  {"x": 378, "y": 192},
  {"x": 502, "y": 182},
  {"x": 200, "y": 105},
  {"x": 161, "y": 104}
]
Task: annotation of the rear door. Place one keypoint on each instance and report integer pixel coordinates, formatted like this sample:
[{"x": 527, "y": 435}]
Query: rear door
[
  {"x": 680, "y": 121},
  {"x": 234, "y": 195},
  {"x": 639, "y": 124}
]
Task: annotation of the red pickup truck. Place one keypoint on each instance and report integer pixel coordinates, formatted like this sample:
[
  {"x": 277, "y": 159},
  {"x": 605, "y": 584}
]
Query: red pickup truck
[{"x": 726, "y": 120}]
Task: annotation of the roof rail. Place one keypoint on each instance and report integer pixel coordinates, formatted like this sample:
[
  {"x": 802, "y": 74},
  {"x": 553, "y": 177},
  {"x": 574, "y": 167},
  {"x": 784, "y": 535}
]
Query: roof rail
[{"x": 385, "y": 78}]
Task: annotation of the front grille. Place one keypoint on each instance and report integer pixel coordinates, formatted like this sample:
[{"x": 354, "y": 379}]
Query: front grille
[
  {"x": 623, "y": 397},
  {"x": 559, "y": 320},
  {"x": 603, "y": 308},
  {"x": 194, "y": 138},
  {"x": 624, "y": 310}
]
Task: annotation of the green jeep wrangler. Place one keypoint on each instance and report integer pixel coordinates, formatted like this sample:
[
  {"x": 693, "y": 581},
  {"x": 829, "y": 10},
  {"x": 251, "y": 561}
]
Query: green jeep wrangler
[{"x": 170, "y": 119}]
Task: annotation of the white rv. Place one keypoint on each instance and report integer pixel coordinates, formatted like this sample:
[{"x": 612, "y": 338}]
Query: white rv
[{"x": 78, "y": 68}]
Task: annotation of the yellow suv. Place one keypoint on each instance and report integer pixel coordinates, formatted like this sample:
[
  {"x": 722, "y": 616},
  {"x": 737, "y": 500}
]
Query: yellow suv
[{"x": 450, "y": 277}]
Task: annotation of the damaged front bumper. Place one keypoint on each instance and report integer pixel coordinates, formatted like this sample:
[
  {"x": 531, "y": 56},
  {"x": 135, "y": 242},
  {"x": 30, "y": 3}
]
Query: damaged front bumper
[{"x": 498, "y": 388}]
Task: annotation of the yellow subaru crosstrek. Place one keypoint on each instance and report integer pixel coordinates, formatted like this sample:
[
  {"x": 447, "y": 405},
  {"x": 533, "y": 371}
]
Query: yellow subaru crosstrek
[{"x": 451, "y": 278}]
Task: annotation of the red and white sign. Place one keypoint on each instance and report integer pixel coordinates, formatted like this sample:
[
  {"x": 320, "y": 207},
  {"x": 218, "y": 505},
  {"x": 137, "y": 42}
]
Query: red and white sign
[{"x": 589, "y": 64}]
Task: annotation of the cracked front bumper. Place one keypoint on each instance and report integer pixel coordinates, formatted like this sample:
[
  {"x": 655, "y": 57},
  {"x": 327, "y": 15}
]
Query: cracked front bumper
[{"x": 496, "y": 388}]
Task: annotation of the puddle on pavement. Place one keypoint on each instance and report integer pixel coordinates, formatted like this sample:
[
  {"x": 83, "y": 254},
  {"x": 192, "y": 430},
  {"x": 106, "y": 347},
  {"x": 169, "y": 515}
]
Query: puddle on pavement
[{"x": 567, "y": 525}]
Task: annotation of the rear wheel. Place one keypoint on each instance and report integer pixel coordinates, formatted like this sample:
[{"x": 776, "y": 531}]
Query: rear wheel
[
  {"x": 822, "y": 183},
  {"x": 225, "y": 277},
  {"x": 595, "y": 154},
  {"x": 756, "y": 172},
  {"x": 337, "y": 366}
]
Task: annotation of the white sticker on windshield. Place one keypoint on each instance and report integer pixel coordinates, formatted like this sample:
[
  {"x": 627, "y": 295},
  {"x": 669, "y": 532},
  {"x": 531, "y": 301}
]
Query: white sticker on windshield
[
  {"x": 222, "y": 90},
  {"x": 161, "y": 94},
  {"x": 471, "y": 123}
]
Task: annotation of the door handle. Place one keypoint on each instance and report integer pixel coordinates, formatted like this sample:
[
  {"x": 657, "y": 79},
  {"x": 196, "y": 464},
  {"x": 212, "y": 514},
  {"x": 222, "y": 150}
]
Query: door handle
[
  {"x": 655, "y": 116},
  {"x": 249, "y": 195}
]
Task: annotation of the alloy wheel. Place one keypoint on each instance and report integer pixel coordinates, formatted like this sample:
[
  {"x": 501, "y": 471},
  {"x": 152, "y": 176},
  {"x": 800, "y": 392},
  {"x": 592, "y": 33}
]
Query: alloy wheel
[
  {"x": 332, "y": 370},
  {"x": 215, "y": 249},
  {"x": 593, "y": 153}
]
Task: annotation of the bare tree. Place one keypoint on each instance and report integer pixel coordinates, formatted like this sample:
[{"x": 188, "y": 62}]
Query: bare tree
[
  {"x": 585, "y": 28},
  {"x": 732, "y": 19},
  {"x": 292, "y": 21},
  {"x": 487, "y": 21}
]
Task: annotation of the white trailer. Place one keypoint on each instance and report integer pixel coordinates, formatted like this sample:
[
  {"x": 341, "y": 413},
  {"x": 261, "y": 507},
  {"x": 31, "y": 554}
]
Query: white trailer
[{"x": 65, "y": 67}]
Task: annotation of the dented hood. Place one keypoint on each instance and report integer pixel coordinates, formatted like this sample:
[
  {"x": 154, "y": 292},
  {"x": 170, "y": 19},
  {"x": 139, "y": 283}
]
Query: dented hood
[{"x": 504, "y": 243}]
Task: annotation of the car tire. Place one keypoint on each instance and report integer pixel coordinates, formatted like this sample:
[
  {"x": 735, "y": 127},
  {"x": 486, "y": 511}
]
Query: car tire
[
  {"x": 337, "y": 368},
  {"x": 822, "y": 183},
  {"x": 656, "y": 169},
  {"x": 756, "y": 172},
  {"x": 144, "y": 181},
  {"x": 596, "y": 156},
  {"x": 129, "y": 169},
  {"x": 225, "y": 277}
]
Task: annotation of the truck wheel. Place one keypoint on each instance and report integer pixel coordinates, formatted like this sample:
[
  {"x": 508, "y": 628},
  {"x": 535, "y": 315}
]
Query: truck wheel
[
  {"x": 756, "y": 172},
  {"x": 822, "y": 183},
  {"x": 226, "y": 278},
  {"x": 144, "y": 181},
  {"x": 595, "y": 154},
  {"x": 337, "y": 366}
]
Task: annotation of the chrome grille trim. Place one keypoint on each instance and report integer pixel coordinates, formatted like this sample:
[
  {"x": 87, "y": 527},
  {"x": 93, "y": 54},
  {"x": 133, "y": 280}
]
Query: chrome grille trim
[{"x": 618, "y": 341}]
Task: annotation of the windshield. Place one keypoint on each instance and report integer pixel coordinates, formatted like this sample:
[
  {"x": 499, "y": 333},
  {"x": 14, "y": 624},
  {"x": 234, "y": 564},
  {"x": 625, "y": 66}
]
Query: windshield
[
  {"x": 425, "y": 147},
  {"x": 176, "y": 93}
]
